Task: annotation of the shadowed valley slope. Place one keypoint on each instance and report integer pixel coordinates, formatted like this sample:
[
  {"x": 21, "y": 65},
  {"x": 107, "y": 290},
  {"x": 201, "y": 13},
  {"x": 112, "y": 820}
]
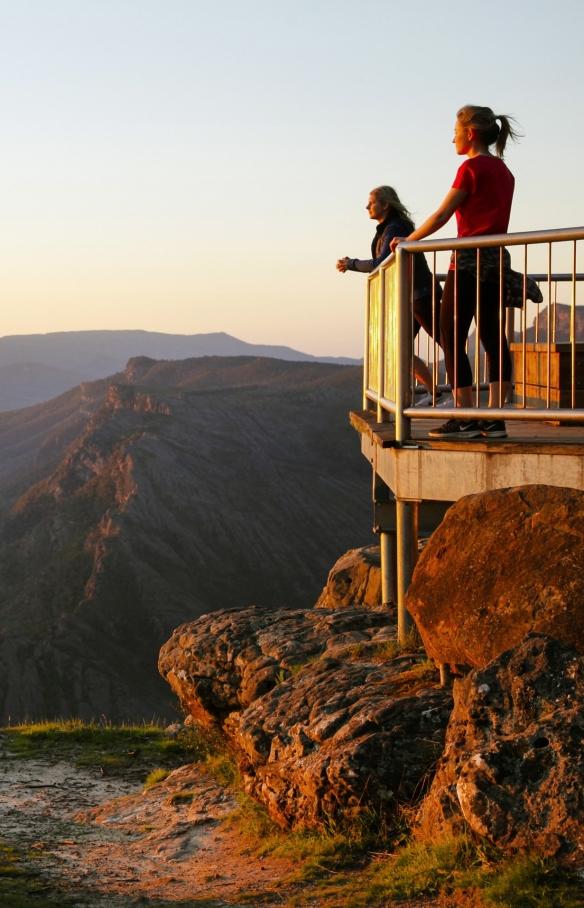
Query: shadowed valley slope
[{"x": 179, "y": 488}]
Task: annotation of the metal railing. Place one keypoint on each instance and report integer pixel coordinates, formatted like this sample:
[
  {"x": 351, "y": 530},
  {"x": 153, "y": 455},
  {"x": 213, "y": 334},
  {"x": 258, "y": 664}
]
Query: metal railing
[{"x": 549, "y": 366}]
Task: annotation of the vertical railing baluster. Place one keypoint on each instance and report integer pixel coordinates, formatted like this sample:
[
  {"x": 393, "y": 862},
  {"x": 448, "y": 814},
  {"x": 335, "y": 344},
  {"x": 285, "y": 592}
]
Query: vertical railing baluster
[
  {"x": 413, "y": 378},
  {"x": 382, "y": 415},
  {"x": 454, "y": 379},
  {"x": 434, "y": 327},
  {"x": 477, "y": 356},
  {"x": 554, "y": 336},
  {"x": 501, "y": 326},
  {"x": 367, "y": 345},
  {"x": 404, "y": 346},
  {"x": 524, "y": 338},
  {"x": 549, "y": 333},
  {"x": 573, "y": 327}
]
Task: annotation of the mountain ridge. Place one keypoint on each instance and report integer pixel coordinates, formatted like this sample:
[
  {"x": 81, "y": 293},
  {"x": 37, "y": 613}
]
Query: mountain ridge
[
  {"x": 186, "y": 487},
  {"x": 37, "y": 367}
]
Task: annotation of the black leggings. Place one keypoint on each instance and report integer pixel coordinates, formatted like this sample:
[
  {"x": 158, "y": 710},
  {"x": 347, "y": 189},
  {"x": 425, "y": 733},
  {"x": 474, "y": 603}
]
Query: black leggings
[
  {"x": 488, "y": 329},
  {"x": 423, "y": 315}
]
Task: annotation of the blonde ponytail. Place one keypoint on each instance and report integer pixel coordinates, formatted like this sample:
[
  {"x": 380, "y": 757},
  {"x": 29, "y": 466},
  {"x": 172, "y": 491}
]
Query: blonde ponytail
[{"x": 485, "y": 122}]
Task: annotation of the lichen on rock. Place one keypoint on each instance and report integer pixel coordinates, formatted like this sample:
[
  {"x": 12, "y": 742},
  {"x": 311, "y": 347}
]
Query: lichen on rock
[{"x": 513, "y": 765}]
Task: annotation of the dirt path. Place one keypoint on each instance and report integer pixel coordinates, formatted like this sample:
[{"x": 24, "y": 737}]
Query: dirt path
[{"x": 102, "y": 842}]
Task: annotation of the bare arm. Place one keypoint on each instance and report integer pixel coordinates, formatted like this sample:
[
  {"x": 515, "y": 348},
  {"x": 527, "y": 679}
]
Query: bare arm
[{"x": 453, "y": 200}]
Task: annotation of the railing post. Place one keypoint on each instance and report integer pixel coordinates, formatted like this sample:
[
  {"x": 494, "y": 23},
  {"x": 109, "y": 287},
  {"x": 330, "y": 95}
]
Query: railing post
[
  {"x": 366, "y": 352},
  {"x": 407, "y": 555},
  {"x": 382, "y": 415},
  {"x": 403, "y": 353}
]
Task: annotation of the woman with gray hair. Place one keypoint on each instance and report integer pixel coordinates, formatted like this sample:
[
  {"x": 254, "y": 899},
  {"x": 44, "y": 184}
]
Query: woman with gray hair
[{"x": 384, "y": 206}]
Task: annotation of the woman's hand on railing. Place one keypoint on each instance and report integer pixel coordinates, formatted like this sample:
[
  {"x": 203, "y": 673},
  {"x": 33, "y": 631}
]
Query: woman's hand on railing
[
  {"x": 396, "y": 241},
  {"x": 343, "y": 264}
]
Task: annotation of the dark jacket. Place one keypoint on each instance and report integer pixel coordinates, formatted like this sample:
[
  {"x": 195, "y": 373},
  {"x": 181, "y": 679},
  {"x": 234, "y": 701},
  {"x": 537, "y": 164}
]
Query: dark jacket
[{"x": 385, "y": 233}]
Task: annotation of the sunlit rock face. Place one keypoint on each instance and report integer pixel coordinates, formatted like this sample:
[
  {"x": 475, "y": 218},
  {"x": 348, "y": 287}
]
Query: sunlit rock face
[
  {"x": 512, "y": 767},
  {"x": 328, "y": 717},
  {"x": 502, "y": 564}
]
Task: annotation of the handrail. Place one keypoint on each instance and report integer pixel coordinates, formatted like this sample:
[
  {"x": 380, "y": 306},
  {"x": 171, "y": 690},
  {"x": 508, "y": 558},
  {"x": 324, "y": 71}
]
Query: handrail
[
  {"x": 389, "y": 347},
  {"x": 449, "y": 244}
]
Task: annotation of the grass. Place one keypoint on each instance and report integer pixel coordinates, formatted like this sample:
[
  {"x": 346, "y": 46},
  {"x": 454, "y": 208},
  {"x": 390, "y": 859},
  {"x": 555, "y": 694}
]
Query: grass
[
  {"x": 373, "y": 861},
  {"x": 385, "y": 652},
  {"x": 20, "y": 885},
  {"x": 457, "y": 871},
  {"x": 156, "y": 776},
  {"x": 180, "y": 797},
  {"x": 110, "y": 748},
  {"x": 370, "y": 860}
]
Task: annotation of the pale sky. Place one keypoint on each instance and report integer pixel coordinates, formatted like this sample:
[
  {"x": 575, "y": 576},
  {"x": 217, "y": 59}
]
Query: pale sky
[{"x": 189, "y": 166}]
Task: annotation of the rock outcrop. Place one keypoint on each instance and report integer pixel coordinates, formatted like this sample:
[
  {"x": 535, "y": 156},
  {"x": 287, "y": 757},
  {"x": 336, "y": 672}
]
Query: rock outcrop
[
  {"x": 513, "y": 764},
  {"x": 328, "y": 716},
  {"x": 354, "y": 580},
  {"x": 501, "y": 565},
  {"x": 224, "y": 661},
  {"x": 339, "y": 737}
]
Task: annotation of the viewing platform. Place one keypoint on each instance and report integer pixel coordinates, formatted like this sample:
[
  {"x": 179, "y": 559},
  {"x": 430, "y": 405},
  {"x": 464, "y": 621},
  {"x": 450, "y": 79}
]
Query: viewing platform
[
  {"x": 416, "y": 478},
  {"x": 432, "y": 469}
]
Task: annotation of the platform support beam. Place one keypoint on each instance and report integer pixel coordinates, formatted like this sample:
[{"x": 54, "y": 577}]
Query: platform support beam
[
  {"x": 445, "y": 676},
  {"x": 407, "y": 556}
]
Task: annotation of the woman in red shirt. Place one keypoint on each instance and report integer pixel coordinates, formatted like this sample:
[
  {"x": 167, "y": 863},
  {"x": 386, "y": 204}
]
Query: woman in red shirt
[{"x": 481, "y": 197}]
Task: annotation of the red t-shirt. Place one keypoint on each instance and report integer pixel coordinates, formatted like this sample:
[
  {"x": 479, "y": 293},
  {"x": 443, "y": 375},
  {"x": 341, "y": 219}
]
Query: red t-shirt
[{"x": 487, "y": 207}]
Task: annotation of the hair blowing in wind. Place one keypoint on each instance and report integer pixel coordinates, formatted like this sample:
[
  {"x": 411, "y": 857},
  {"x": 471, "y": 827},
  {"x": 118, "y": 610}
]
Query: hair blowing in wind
[{"x": 485, "y": 121}]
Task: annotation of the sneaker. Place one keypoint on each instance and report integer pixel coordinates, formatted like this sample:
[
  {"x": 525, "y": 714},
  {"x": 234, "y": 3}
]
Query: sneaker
[
  {"x": 457, "y": 428},
  {"x": 426, "y": 400},
  {"x": 493, "y": 428},
  {"x": 446, "y": 401}
]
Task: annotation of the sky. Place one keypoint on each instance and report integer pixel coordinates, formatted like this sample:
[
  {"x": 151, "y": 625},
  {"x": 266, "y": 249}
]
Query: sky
[{"x": 188, "y": 167}]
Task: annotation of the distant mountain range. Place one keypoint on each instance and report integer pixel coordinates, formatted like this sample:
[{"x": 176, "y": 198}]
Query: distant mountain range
[
  {"x": 37, "y": 367},
  {"x": 133, "y": 504}
]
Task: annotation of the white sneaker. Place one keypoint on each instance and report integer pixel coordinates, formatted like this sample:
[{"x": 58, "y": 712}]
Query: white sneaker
[
  {"x": 426, "y": 400},
  {"x": 446, "y": 401}
]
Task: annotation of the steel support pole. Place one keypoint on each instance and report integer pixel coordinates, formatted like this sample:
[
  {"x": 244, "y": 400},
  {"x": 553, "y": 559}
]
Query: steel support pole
[
  {"x": 388, "y": 547},
  {"x": 445, "y": 676},
  {"x": 404, "y": 346},
  {"x": 407, "y": 556}
]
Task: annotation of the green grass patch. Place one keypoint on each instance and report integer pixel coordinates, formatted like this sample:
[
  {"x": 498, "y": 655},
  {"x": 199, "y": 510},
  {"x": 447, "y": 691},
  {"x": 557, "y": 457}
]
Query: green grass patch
[
  {"x": 385, "y": 652},
  {"x": 20, "y": 885},
  {"x": 221, "y": 765},
  {"x": 110, "y": 748},
  {"x": 156, "y": 776},
  {"x": 455, "y": 870},
  {"x": 180, "y": 798}
]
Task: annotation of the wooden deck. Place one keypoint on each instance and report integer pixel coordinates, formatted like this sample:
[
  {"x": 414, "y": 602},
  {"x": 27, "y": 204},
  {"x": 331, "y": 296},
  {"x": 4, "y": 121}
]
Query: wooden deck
[{"x": 431, "y": 469}]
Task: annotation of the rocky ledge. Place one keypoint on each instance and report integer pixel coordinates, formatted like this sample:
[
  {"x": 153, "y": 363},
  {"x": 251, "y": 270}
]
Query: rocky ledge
[
  {"x": 327, "y": 715},
  {"x": 340, "y": 736},
  {"x": 330, "y": 718},
  {"x": 513, "y": 768}
]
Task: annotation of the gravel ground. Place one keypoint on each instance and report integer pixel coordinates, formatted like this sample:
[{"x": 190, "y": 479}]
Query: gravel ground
[{"x": 101, "y": 842}]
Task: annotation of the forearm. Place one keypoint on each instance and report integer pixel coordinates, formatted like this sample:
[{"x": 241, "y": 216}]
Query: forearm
[
  {"x": 453, "y": 200},
  {"x": 434, "y": 223},
  {"x": 363, "y": 265}
]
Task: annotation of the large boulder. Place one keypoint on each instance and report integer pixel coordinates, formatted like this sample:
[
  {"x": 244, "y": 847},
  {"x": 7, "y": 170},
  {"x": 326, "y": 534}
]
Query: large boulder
[
  {"x": 339, "y": 737},
  {"x": 501, "y": 565},
  {"x": 354, "y": 580},
  {"x": 513, "y": 763},
  {"x": 224, "y": 661}
]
